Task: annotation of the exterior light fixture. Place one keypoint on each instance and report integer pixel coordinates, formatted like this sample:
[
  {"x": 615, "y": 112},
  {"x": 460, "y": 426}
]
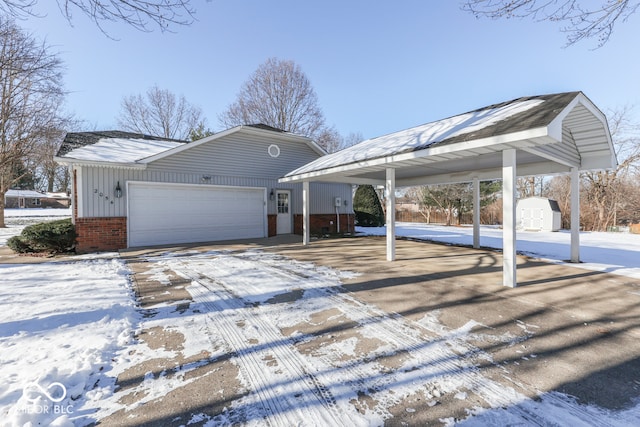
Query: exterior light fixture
[
  {"x": 118, "y": 192},
  {"x": 272, "y": 196}
]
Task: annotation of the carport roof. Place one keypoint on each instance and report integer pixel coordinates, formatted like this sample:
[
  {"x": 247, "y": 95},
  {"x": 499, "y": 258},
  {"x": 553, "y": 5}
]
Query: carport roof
[{"x": 551, "y": 133}]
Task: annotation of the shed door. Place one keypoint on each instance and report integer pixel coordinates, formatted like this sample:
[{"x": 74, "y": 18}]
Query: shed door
[{"x": 161, "y": 214}]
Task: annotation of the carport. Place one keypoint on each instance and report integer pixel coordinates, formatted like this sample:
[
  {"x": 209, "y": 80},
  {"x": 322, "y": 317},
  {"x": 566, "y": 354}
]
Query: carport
[{"x": 562, "y": 133}]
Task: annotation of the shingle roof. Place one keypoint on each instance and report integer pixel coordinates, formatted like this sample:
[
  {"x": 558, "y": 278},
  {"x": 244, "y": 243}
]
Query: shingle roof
[
  {"x": 73, "y": 140},
  {"x": 508, "y": 117},
  {"x": 552, "y": 134}
]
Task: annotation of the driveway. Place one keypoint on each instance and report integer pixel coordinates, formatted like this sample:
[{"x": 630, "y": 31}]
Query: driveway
[{"x": 332, "y": 334}]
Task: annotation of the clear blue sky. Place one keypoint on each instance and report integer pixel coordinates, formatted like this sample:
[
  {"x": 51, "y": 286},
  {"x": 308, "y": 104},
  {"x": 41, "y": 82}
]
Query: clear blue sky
[{"x": 377, "y": 67}]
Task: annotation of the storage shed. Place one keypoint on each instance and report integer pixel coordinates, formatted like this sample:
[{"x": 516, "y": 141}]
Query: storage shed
[{"x": 538, "y": 214}]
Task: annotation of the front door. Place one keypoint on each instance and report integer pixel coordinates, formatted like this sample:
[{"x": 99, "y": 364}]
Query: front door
[{"x": 283, "y": 198}]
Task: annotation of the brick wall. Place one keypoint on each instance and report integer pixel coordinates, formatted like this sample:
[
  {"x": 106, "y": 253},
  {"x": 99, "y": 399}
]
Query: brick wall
[
  {"x": 101, "y": 234},
  {"x": 272, "y": 225},
  {"x": 321, "y": 224}
]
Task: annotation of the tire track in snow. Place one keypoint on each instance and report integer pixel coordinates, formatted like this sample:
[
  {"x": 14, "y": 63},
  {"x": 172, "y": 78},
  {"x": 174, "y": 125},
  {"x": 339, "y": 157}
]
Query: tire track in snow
[
  {"x": 398, "y": 332},
  {"x": 302, "y": 397},
  {"x": 434, "y": 359}
]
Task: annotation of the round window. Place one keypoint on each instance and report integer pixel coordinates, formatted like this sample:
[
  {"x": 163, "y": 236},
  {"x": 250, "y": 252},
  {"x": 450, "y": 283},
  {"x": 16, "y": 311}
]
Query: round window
[{"x": 274, "y": 150}]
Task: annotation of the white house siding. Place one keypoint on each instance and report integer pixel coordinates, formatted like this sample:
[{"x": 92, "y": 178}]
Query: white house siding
[
  {"x": 235, "y": 160},
  {"x": 100, "y": 184},
  {"x": 240, "y": 155}
]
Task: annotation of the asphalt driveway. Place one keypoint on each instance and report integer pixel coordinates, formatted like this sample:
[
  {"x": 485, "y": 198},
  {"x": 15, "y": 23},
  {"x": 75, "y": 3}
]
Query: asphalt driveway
[{"x": 334, "y": 334}]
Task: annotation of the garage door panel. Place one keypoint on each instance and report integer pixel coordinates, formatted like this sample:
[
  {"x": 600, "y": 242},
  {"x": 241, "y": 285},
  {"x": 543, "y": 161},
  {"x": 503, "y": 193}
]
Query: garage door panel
[{"x": 166, "y": 214}]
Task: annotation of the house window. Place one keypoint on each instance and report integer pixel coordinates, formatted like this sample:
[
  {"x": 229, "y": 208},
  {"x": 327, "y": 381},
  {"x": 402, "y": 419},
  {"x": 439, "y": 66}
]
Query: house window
[
  {"x": 283, "y": 203},
  {"x": 35, "y": 202}
]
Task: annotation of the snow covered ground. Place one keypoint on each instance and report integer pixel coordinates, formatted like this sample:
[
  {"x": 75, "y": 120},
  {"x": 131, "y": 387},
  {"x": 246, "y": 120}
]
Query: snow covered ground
[
  {"x": 617, "y": 253},
  {"x": 66, "y": 332}
]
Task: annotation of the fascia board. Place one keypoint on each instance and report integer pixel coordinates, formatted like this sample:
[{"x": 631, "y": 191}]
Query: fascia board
[
  {"x": 555, "y": 127},
  {"x": 513, "y": 138},
  {"x": 78, "y": 162},
  {"x": 343, "y": 179}
]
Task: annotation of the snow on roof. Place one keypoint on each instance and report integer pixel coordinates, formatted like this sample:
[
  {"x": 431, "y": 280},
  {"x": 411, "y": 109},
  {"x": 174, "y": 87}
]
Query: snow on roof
[
  {"x": 420, "y": 136},
  {"x": 24, "y": 193},
  {"x": 121, "y": 150}
]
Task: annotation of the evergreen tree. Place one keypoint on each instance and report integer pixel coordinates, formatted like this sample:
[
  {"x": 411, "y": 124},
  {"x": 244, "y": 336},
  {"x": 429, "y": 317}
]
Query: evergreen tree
[{"x": 367, "y": 207}]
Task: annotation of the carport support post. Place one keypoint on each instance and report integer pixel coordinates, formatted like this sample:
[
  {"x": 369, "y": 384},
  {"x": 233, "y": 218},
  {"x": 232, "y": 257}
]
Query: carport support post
[
  {"x": 391, "y": 213},
  {"x": 476, "y": 213},
  {"x": 509, "y": 218},
  {"x": 575, "y": 215},
  {"x": 305, "y": 213}
]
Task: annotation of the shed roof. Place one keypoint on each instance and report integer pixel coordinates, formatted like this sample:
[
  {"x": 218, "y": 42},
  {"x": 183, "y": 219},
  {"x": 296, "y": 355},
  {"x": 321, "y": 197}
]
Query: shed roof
[
  {"x": 552, "y": 133},
  {"x": 540, "y": 201}
]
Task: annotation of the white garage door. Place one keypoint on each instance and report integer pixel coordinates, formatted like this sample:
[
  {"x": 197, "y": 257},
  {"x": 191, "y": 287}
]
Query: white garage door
[{"x": 173, "y": 213}]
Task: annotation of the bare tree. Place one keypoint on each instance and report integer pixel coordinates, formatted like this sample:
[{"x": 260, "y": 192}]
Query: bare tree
[
  {"x": 331, "y": 140},
  {"x": 531, "y": 186},
  {"x": 140, "y": 14},
  {"x": 560, "y": 191},
  {"x": 604, "y": 191},
  {"x": 582, "y": 22},
  {"x": 32, "y": 94},
  {"x": 280, "y": 95},
  {"x": 49, "y": 175},
  {"x": 606, "y": 197},
  {"x": 160, "y": 112}
]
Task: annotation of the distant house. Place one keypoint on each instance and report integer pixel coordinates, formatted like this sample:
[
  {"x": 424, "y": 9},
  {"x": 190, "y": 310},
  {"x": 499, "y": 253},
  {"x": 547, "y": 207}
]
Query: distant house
[
  {"x": 538, "y": 214},
  {"x": 132, "y": 190},
  {"x": 23, "y": 199},
  {"x": 58, "y": 200}
]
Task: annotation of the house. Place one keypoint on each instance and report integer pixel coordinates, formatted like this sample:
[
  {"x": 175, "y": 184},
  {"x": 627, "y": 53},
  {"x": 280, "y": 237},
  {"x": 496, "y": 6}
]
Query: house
[
  {"x": 15, "y": 198},
  {"x": 58, "y": 200},
  {"x": 538, "y": 214},
  {"x": 132, "y": 190}
]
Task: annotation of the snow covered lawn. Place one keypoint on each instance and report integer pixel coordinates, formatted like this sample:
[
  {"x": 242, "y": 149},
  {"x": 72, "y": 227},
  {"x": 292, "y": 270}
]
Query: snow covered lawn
[{"x": 61, "y": 325}]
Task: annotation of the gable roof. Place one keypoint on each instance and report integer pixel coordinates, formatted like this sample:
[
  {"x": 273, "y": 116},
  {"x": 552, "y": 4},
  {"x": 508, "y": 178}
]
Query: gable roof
[
  {"x": 247, "y": 129},
  {"x": 552, "y": 132},
  {"x": 131, "y": 150}
]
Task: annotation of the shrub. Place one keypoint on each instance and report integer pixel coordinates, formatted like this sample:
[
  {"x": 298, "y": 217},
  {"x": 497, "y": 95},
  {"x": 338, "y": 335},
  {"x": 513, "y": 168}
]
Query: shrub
[
  {"x": 50, "y": 237},
  {"x": 367, "y": 207}
]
